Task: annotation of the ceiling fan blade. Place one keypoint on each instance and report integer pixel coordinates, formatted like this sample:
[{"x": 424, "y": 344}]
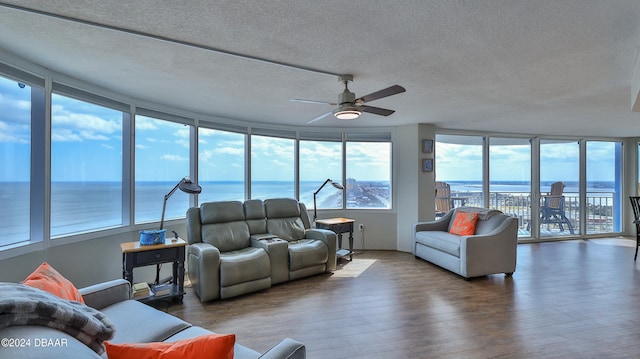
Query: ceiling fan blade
[
  {"x": 393, "y": 90},
  {"x": 319, "y": 117},
  {"x": 376, "y": 110},
  {"x": 313, "y": 102}
]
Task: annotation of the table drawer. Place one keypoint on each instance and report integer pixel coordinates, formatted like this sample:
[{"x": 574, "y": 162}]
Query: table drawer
[
  {"x": 157, "y": 256},
  {"x": 338, "y": 228}
]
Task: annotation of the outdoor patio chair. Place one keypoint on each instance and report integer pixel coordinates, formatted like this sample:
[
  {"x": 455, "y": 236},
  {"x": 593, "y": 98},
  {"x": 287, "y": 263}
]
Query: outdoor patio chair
[
  {"x": 635, "y": 204},
  {"x": 552, "y": 209},
  {"x": 443, "y": 199}
]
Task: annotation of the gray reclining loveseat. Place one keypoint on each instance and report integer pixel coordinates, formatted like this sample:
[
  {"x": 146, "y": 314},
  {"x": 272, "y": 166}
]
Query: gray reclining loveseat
[{"x": 237, "y": 248}]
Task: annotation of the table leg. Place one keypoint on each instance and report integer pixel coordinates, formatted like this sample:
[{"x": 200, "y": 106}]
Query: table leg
[
  {"x": 127, "y": 267},
  {"x": 351, "y": 245}
]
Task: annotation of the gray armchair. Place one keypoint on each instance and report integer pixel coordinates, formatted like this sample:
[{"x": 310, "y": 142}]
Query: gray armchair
[{"x": 221, "y": 262}]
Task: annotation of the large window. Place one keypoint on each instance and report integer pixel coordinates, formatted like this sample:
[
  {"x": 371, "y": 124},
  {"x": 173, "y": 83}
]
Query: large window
[
  {"x": 319, "y": 161},
  {"x": 559, "y": 205},
  {"x": 459, "y": 164},
  {"x": 604, "y": 186},
  {"x": 15, "y": 159},
  {"x": 86, "y": 166},
  {"x": 272, "y": 167},
  {"x": 368, "y": 174},
  {"x": 510, "y": 178},
  {"x": 221, "y": 165},
  {"x": 162, "y": 160}
]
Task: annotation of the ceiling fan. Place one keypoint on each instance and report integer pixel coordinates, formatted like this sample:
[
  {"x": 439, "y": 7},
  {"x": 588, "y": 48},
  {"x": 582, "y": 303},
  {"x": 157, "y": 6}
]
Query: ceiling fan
[{"x": 350, "y": 107}]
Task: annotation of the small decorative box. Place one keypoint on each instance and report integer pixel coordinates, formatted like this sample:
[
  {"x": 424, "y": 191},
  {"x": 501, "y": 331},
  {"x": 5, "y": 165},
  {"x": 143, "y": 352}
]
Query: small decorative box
[{"x": 150, "y": 237}]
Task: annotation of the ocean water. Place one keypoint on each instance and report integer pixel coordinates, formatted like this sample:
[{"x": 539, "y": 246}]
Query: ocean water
[{"x": 82, "y": 207}]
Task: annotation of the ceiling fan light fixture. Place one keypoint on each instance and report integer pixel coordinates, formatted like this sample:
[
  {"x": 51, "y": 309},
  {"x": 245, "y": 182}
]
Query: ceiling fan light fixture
[{"x": 347, "y": 114}]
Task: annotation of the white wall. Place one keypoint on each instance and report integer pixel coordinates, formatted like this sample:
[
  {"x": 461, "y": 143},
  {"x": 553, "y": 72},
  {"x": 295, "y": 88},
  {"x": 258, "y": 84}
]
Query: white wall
[
  {"x": 86, "y": 262},
  {"x": 416, "y": 189}
]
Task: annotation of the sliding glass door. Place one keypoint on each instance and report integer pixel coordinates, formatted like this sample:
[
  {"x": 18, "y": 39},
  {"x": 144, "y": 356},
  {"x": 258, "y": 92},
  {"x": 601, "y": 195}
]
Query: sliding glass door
[{"x": 510, "y": 179}]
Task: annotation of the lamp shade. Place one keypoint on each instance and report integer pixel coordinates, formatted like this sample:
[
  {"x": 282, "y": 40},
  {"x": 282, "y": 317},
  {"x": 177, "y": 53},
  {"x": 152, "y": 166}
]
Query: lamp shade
[{"x": 347, "y": 114}]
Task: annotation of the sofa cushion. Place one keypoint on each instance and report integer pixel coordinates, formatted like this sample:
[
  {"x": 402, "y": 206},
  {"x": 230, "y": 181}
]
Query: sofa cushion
[
  {"x": 289, "y": 229},
  {"x": 204, "y": 346},
  {"x": 464, "y": 223},
  {"x": 45, "y": 277},
  {"x": 307, "y": 253},
  {"x": 281, "y": 207},
  {"x": 283, "y": 218},
  {"x": 255, "y": 216},
  {"x": 244, "y": 265},
  {"x": 228, "y": 236},
  {"x": 136, "y": 322},
  {"x": 443, "y": 241},
  {"x": 221, "y": 212}
]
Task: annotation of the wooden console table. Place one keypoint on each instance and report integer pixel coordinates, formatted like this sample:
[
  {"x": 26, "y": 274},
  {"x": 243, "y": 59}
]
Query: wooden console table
[
  {"x": 339, "y": 225},
  {"x": 172, "y": 251}
]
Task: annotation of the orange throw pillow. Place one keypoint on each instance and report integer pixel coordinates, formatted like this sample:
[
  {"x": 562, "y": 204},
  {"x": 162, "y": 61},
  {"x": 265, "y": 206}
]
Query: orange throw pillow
[
  {"x": 49, "y": 280},
  {"x": 464, "y": 223},
  {"x": 210, "y": 346}
]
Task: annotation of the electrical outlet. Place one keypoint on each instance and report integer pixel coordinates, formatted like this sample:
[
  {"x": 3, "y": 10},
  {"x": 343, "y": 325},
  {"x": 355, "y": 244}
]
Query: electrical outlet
[{"x": 361, "y": 226}]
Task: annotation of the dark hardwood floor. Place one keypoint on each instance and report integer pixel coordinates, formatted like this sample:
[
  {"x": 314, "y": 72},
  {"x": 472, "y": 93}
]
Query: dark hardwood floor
[{"x": 570, "y": 299}]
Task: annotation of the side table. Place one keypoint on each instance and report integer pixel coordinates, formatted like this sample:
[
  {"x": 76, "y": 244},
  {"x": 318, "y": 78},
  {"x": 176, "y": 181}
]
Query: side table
[
  {"x": 172, "y": 251},
  {"x": 339, "y": 225}
]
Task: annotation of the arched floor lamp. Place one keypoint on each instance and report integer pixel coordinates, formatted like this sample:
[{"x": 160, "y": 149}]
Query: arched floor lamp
[{"x": 334, "y": 184}]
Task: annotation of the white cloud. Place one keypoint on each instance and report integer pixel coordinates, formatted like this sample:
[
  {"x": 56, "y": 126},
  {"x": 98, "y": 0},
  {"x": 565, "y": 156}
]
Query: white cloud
[
  {"x": 170, "y": 157},
  {"x": 143, "y": 123},
  {"x": 65, "y": 135}
]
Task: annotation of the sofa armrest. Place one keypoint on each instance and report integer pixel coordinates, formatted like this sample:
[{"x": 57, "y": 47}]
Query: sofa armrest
[
  {"x": 287, "y": 348},
  {"x": 278, "y": 250},
  {"x": 492, "y": 252},
  {"x": 440, "y": 224},
  {"x": 203, "y": 267},
  {"x": 330, "y": 239},
  {"x": 104, "y": 294}
]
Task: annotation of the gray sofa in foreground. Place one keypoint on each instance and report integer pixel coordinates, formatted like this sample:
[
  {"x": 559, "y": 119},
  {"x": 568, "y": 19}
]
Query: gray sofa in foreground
[
  {"x": 134, "y": 321},
  {"x": 492, "y": 249},
  {"x": 242, "y": 247}
]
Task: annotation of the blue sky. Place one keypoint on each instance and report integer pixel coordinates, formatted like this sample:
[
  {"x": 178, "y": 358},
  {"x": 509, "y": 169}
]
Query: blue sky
[{"x": 511, "y": 162}]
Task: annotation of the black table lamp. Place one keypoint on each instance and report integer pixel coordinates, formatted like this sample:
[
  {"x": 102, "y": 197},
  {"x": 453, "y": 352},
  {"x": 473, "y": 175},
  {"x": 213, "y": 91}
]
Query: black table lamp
[
  {"x": 334, "y": 184},
  {"x": 185, "y": 185}
]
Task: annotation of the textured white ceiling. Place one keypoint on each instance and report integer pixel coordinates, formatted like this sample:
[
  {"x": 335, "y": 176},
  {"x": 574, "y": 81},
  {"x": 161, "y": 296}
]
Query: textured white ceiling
[{"x": 518, "y": 66}]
